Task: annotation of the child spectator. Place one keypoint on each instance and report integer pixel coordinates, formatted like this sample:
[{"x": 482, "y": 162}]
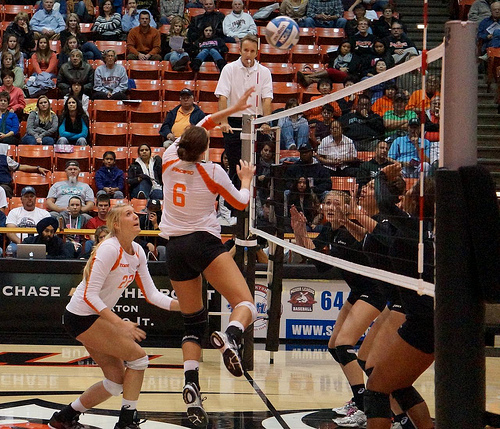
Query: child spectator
[
  {"x": 294, "y": 128},
  {"x": 208, "y": 46},
  {"x": 11, "y": 44},
  {"x": 42, "y": 124},
  {"x": 109, "y": 178},
  {"x": 325, "y": 87},
  {"x": 76, "y": 90},
  {"x": 74, "y": 123},
  {"x": 17, "y": 102},
  {"x": 178, "y": 57},
  {"x": 8, "y": 64},
  {"x": 9, "y": 123},
  {"x": 44, "y": 59}
]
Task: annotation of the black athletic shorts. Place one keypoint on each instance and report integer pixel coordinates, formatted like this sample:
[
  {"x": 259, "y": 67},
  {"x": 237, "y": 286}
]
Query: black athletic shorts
[
  {"x": 75, "y": 325},
  {"x": 418, "y": 332},
  {"x": 394, "y": 302},
  {"x": 189, "y": 255}
]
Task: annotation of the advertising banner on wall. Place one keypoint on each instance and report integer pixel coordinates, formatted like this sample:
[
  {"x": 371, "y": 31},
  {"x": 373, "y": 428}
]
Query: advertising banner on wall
[{"x": 309, "y": 308}]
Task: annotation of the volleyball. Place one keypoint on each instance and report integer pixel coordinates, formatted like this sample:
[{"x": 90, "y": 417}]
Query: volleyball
[{"x": 282, "y": 32}]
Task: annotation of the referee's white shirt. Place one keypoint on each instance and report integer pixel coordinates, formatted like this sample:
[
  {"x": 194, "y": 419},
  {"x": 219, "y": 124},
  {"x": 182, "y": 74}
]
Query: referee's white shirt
[{"x": 235, "y": 79}]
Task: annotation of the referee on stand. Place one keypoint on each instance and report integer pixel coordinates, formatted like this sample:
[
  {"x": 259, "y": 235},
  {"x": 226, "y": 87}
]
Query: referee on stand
[{"x": 235, "y": 79}]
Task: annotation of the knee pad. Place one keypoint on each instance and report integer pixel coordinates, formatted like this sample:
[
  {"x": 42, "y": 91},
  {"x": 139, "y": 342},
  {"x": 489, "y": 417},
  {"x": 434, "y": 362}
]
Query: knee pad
[
  {"x": 407, "y": 397},
  {"x": 368, "y": 371},
  {"x": 195, "y": 325},
  {"x": 251, "y": 307},
  {"x": 377, "y": 405},
  {"x": 334, "y": 354},
  {"x": 113, "y": 388},
  {"x": 346, "y": 354},
  {"x": 362, "y": 364},
  {"x": 139, "y": 364}
]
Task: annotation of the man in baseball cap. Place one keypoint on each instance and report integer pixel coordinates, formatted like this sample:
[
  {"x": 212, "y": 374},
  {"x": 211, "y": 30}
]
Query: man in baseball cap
[
  {"x": 25, "y": 216},
  {"x": 178, "y": 119}
]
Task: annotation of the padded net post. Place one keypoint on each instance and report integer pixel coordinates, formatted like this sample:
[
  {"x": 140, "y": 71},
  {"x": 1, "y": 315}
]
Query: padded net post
[{"x": 459, "y": 316}]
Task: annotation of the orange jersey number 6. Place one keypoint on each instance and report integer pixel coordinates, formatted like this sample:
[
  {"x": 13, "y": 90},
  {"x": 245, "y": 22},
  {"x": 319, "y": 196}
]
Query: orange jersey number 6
[{"x": 179, "y": 197}]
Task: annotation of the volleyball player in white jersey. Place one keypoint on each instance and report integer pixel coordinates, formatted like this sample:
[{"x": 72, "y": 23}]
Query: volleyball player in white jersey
[
  {"x": 115, "y": 263},
  {"x": 189, "y": 222}
]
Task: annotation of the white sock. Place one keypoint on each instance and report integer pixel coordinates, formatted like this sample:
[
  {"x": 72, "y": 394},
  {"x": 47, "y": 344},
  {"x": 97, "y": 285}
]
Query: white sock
[
  {"x": 191, "y": 365},
  {"x": 78, "y": 406},
  {"x": 130, "y": 405},
  {"x": 238, "y": 324}
]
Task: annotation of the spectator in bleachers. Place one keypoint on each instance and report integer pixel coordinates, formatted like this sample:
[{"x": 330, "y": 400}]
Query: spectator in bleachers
[
  {"x": 100, "y": 234},
  {"x": 318, "y": 176},
  {"x": 396, "y": 120},
  {"x": 26, "y": 216},
  {"x": 42, "y": 124},
  {"x": 74, "y": 218},
  {"x": 238, "y": 24},
  {"x": 108, "y": 25},
  {"x": 187, "y": 113},
  {"x": 155, "y": 247},
  {"x": 130, "y": 19},
  {"x": 351, "y": 27},
  {"x": 110, "y": 79},
  {"x": 399, "y": 44},
  {"x": 347, "y": 103},
  {"x": 75, "y": 70},
  {"x": 304, "y": 200},
  {"x": 198, "y": 23},
  {"x": 208, "y": 47},
  {"x": 8, "y": 64},
  {"x": 8, "y": 165},
  {"x": 263, "y": 174},
  {"x": 406, "y": 151},
  {"x": 47, "y": 21},
  {"x": 109, "y": 179},
  {"x": 363, "y": 126},
  {"x": 382, "y": 26},
  {"x": 70, "y": 44},
  {"x": 338, "y": 153},
  {"x": 369, "y": 169},
  {"x": 60, "y": 192},
  {"x": 89, "y": 49},
  {"x": 489, "y": 29},
  {"x": 20, "y": 27},
  {"x": 322, "y": 127},
  {"x": 16, "y": 95},
  {"x": 377, "y": 90},
  {"x": 378, "y": 52},
  {"x": 56, "y": 248},
  {"x": 152, "y": 7},
  {"x": 169, "y": 9},
  {"x": 11, "y": 44},
  {"x": 3, "y": 201},
  {"x": 294, "y": 128},
  {"x": 372, "y": 4},
  {"x": 324, "y": 87},
  {"x": 362, "y": 41},
  {"x": 144, "y": 175},
  {"x": 479, "y": 10},
  {"x": 432, "y": 120},
  {"x": 178, "y": 57},
  {"x": 103, "y": 206},
  {"x": 325, "y": 14},
  {"x": 341, "y": 62},
  {"x": 73, "y": 123},
  {"x": 386, "y": 102},
  {"x": 83, "y": 9},
  {"x": 44, "y": 59},
  {"x": 295, "y": 9},
  {"x": 144, "y": 41},
  {"x": 76, "y": 90},
  {"x": 432, "y": 89}
]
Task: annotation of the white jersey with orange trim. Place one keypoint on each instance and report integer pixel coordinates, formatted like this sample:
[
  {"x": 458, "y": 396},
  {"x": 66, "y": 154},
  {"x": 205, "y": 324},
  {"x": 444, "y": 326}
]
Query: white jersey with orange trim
[
  {"x": 190, "y": 190},
  {"x": 111, "y": 272}
]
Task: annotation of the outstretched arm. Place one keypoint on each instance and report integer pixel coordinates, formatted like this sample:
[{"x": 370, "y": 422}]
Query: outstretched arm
[{"x": 241, "y": 104}]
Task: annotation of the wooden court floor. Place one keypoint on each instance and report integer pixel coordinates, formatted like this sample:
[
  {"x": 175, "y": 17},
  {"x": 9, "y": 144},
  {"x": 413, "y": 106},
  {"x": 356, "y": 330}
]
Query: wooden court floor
[{"x": 297, "y": 391}]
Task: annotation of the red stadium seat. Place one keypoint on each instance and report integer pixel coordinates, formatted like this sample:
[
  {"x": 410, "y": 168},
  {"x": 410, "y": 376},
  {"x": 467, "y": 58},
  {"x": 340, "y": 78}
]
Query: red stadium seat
[
  {"x": 146, "y": 112},
  {"x": 82, "y": 154},
  {"x": 40, "y": 182},
  {"x": 36, "y": 155},
  {"x": 145, "y": 133},
  {"x": 109, "y": 111},
  {"x": 109, "y": 133}
]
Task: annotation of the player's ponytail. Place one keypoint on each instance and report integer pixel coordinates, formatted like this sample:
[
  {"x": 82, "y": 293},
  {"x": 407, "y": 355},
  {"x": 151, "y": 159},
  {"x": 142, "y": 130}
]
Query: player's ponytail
[{"x": 192, "y": 144}]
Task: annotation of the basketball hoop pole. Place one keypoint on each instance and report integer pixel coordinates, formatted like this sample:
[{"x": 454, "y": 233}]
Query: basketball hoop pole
[{"x": 459, "y": 315}]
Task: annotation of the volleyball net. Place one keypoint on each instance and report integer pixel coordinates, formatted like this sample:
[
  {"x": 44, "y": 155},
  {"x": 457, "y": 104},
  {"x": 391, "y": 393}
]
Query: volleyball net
[{"x": 331, "y": 149}]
